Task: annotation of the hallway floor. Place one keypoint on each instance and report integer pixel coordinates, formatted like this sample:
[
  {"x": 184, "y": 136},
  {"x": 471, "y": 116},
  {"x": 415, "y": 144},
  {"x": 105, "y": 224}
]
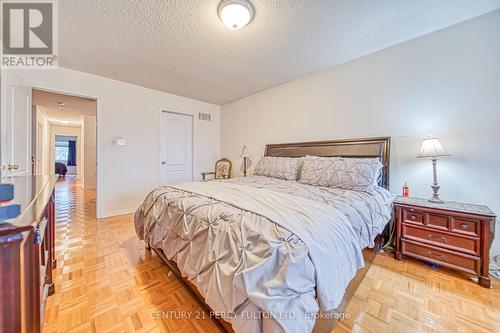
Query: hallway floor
[{"x": 107, "y": 282}]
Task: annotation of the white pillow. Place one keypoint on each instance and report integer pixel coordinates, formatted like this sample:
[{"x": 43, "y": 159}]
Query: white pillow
[
  {"x": 279, "y": 167},
  {"x": 360, "y": 174}
]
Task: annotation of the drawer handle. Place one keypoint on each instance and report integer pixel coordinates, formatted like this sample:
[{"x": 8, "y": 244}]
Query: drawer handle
[
  {"x": 437, "y": 256},
  {"x": 413, "y": 217},
  {"x": 441, "y": 238},
  {"x": 464, "y": 226}
]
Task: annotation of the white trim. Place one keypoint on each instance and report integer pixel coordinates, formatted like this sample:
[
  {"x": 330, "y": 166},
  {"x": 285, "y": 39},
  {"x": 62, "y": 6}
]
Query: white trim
[
  {"x": 52, "y": 149},
  {"x": 113, "y": 213},
  {"x": 64, "y": 92}
]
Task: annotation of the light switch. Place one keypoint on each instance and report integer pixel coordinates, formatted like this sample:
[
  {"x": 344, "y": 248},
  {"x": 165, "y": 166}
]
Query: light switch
[{"x": 119, "y": 141}]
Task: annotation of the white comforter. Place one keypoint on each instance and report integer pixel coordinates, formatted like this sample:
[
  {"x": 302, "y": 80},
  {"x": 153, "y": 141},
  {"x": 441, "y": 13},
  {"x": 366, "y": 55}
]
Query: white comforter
[{"x": 260, "y": 245}]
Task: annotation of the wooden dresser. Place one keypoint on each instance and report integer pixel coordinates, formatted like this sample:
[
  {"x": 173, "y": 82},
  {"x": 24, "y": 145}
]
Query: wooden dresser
[
  {"x": 27, "y": 255},
  {"x": 452, "y": 234}
]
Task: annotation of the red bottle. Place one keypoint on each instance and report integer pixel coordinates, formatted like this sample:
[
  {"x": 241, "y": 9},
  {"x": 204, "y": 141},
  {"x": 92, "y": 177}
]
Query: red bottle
[{"x": 406, "y": 190}]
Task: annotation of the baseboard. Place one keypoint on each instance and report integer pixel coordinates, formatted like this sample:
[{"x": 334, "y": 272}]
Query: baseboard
[{"x": 117, "y": 213}]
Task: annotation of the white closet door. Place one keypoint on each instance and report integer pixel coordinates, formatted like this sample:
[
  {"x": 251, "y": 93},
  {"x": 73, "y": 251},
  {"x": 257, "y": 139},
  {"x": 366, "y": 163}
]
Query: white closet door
[
  {"x": 16, "y": 126},
  {"x": 176, "y": 148}
]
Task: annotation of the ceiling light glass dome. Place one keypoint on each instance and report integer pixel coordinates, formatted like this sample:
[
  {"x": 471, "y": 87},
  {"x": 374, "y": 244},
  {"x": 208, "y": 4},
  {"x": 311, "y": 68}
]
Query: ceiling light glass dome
[{"x": 235, "y": 14}]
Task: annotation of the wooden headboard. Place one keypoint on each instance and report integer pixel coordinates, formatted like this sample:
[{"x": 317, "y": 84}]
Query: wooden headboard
[{"x": 369, "y": 147}]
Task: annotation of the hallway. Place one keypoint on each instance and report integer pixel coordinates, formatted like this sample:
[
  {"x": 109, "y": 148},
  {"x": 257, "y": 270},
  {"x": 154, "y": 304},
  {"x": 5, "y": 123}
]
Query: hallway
[{"x": 105, "y": 280}]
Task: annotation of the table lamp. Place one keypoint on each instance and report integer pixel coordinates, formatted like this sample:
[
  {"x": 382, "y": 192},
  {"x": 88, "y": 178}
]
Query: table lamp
[{"x": 432, "y": 148}]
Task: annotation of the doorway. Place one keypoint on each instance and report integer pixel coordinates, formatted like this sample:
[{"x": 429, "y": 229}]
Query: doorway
[
  {"x": 65, "y": 155},
  {"x": 176, "y": 156},
  {"x": 65, "y": 128}
]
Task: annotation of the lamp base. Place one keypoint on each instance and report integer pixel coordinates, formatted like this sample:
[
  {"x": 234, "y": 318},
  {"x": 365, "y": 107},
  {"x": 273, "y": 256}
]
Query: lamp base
[
  {"x": 436, "y": 200},
  {"x": 435, "y": 195},
  {"x": 244, "y": 166}
]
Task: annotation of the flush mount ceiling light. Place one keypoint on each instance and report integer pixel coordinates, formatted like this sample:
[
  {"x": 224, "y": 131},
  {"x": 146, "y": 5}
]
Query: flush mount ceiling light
[{"x": 235, "y": 14}]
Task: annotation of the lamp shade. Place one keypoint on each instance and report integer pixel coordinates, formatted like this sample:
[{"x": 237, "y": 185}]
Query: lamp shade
[
  {"x": 244, "y": 152},
  {"x": 432, "y": 148}
]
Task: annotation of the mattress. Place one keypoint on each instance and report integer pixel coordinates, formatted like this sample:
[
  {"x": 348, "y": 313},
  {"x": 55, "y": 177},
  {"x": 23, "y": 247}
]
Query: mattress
[{"x": 266, "y": 254}]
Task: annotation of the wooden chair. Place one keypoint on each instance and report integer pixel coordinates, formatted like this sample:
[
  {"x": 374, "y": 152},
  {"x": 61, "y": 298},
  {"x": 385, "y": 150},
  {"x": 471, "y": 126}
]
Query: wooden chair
[{"x": 222, "y": 170}]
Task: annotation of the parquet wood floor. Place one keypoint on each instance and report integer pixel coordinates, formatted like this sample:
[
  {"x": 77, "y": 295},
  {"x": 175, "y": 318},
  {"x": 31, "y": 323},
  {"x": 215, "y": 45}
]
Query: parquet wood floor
[{"x": 107, "y": 282}]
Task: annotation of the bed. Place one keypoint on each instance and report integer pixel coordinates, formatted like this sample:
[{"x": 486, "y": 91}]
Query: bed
[{"x": 271, "y": 255}]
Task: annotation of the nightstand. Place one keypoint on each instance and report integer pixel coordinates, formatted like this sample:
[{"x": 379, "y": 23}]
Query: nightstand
[{"x": 451, "y": 234}]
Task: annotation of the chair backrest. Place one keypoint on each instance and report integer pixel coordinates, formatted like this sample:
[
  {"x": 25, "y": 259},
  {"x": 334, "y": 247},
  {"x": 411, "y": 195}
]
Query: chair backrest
[{"x": 223, "y": 169}]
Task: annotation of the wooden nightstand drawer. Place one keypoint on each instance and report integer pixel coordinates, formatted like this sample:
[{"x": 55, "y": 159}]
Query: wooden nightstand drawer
[
  {"x": 466, "y": 227},
  {"x": 447, "y": 240},
  {"x": 413, "y": 216},
  {"x": 442, "y": 257},
  {"x": 438, "y": 221}
]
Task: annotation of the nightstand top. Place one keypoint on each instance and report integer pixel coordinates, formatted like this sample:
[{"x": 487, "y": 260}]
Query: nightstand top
[{"x": 448, "y": 205}]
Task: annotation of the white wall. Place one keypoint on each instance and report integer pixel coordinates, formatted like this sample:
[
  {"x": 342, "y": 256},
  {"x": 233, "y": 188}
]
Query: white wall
[
  {"x": 43, "y": 147},
  {"x": 446, "y": 83},
  {"x": 89, "y": 151},
  {"x": 126, "y": 174}
]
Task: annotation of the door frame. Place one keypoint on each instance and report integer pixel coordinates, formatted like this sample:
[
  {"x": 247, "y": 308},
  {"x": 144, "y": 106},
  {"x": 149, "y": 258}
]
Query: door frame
[
  {"x": 162, "y": 144},
  {"x": 97, "y": 114},
  {"x": 38, "y": 147},
  {"x": 79, "y": 148}
]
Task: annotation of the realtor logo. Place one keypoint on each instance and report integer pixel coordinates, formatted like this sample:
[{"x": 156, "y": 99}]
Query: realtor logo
[{"x": 29, "y": 34}]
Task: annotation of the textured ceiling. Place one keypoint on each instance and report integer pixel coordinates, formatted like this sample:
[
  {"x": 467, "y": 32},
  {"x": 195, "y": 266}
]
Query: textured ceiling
[
  {"x": 181, "y": 47},
  {"x": 74, "y": 107}
]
